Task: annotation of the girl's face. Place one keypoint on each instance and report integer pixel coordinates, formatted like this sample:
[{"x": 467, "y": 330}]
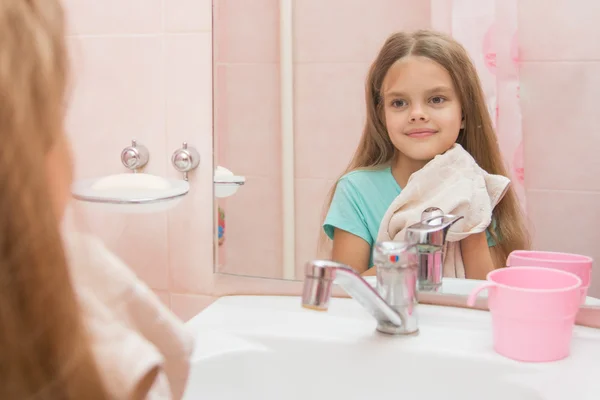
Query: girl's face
[
  {"x": 421, "y": 108},
  {"x": 59, "y": 170}
]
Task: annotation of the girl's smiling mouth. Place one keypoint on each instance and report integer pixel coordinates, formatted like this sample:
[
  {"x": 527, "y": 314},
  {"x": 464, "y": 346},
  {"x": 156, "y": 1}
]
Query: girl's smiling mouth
[{"x": 421, "y": 133}]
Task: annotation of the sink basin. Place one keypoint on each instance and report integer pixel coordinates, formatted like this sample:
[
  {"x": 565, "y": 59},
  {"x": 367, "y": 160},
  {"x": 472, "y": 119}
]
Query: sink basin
[{"x": 262, "y": 347}]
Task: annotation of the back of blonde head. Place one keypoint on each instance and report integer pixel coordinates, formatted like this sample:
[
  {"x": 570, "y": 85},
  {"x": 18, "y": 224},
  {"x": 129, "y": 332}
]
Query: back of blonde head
[
  {"x": 44, "y": 349},
  {"x": 478, "y": 137}
]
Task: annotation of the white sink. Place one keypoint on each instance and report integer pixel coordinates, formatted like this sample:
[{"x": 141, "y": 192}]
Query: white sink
[{"x": 269, "y": 348}]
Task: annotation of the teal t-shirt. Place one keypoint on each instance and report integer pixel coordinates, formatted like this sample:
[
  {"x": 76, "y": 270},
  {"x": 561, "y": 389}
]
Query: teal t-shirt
[{"x": 360, "y": 201}]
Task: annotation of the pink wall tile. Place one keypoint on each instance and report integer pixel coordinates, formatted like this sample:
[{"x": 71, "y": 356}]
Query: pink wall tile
[
  {"x": 247, "y": 118},
  {"x": 559, "y": 86},
  {"x": 560, "y": 114},
  {"x": 253, "y": 234},
  {"x": 118, "y": 95},
  {"x": 567, "y": 221},
  {"x": 247, "y": 31},
  {"x": 188, "y": 15},
  {"x": 148, "y": 252},
  {"x": 351, "y": 30},
  {"x": 441, "y": 15},
  {"x": 189, "y": 98},
  {"x": 559, "y": 30},
  {"x": 191, "y": 242},
  {"x": 140, "y": 240},
  {"x": 221, "y": 113},
  {"x": 247, "y": 126},
  {"x": 189, "y": 118},
  {"x": 329, "y": 116},
  {"x": 107, "y": 17},
  {"x": 185, "y": 306},
  {"x": 311, "y": 197},
  {"x": 131, "y": 80},
  {"x": 134, "y": 80},
  {"x": 164, "y": 296}
]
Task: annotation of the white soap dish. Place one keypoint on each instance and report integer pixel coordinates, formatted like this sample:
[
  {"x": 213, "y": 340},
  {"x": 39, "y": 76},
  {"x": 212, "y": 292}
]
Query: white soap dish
[
  {"x": 129, "y": 188},
  {"x": 226, "y": 183}
]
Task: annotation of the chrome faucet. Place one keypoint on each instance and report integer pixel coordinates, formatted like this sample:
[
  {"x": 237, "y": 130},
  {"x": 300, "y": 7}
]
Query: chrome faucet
[
  {"x": 394, "y": 302},
  {"x": 429, "y": 239},
  {"x": 402, "y": 267}
]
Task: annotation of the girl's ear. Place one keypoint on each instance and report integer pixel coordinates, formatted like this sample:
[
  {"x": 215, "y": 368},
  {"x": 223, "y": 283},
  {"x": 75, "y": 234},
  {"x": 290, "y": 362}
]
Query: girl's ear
[{"x": 462, "y": 123}]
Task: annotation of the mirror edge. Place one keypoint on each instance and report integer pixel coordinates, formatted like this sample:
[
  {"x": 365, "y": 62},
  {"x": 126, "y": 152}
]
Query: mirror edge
[{"x": 231, "y": 285}]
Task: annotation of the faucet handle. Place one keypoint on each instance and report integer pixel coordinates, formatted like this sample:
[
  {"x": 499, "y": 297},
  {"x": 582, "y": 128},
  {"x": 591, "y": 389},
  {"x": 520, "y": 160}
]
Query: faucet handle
[
  {"x": 432, "y": 228},
  {"x": 431, "y": 213},
  {"x": 393, "y": 254}
]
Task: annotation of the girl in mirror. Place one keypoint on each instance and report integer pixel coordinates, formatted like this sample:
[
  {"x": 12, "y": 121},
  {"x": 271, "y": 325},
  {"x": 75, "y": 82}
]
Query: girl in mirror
[{"x": 423, "y": 95}]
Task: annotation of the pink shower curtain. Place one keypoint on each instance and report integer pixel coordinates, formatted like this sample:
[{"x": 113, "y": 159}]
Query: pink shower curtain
[{"x": 488, "y": 30}]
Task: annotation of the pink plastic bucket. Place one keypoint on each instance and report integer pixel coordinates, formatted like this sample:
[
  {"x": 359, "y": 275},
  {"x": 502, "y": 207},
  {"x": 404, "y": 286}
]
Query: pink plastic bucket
[
  {"x": 573, "y": 263},
  {"x": 533, "y": 311}
]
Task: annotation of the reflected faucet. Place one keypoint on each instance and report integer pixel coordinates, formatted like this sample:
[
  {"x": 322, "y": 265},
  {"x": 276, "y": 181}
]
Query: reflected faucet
[
  {"x": 429, "y": 239},
  {"x": 402, "y": 267}
]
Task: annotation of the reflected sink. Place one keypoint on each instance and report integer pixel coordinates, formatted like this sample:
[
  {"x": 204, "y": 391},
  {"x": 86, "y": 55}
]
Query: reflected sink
[
  {"x": 464, "y": 287},
  {"x": 263, "y": 347}
]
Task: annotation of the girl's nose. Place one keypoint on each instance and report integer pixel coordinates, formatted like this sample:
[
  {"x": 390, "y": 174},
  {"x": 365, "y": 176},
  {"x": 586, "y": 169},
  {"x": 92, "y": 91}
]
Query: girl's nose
[
  {"x": 418, "y": 117},
  {"x": 417, "y": 114}
]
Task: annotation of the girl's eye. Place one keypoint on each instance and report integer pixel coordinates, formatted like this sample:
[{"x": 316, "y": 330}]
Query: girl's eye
[
  {"x": 437, "y": 100},
  {"x": 398, "y": 103}
]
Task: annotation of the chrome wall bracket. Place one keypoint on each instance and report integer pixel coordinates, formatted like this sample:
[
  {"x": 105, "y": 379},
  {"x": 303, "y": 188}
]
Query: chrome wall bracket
[
  {"x": 185, "y": 159},
  {"x": 135, "y": 157}
]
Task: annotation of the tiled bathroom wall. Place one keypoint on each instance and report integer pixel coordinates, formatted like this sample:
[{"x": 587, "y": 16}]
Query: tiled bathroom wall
[
  {"x": 559, "y": 70},
  {"x": 143, "y": 69},
  {"x": 247, "y": 133},
  {"x": 334, "y": 43},
  {"x": 560, "y": 83}
]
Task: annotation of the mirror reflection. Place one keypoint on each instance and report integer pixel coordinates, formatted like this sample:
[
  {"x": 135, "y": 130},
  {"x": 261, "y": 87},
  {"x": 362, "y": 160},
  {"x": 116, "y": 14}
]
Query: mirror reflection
[{"x": 412, "y": 130}]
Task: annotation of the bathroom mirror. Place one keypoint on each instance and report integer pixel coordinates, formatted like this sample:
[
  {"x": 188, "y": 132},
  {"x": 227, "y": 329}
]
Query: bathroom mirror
[{"x": 289, "y": 111}]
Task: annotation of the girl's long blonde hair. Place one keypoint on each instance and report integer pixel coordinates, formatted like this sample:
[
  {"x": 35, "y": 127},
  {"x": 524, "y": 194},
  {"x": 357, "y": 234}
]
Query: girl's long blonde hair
[
  {"x": 478, "y": 137},
  {"x": 44, "y": 348}
]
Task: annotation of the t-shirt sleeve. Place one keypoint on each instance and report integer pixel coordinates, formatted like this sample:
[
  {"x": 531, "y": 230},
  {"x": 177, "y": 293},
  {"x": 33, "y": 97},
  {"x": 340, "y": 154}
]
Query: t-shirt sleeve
[
  {"x": 488, "y": 233},
  {"x": 345, "y": 212}
]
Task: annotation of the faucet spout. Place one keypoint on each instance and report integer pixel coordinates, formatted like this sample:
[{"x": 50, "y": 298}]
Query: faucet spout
[
  {"x": 318, "y": 283},
  {"x": 394, "y": 302}
]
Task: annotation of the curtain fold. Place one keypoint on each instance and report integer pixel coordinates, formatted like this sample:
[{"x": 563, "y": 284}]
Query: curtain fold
[{"x": 488, "y": 30}]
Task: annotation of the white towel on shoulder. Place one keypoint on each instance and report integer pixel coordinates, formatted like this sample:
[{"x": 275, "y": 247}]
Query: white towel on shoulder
[{"x": 131, "y": 331}]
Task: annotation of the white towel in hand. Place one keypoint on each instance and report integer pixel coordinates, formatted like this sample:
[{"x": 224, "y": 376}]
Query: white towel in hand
[{"x": 454, "y": 183}]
